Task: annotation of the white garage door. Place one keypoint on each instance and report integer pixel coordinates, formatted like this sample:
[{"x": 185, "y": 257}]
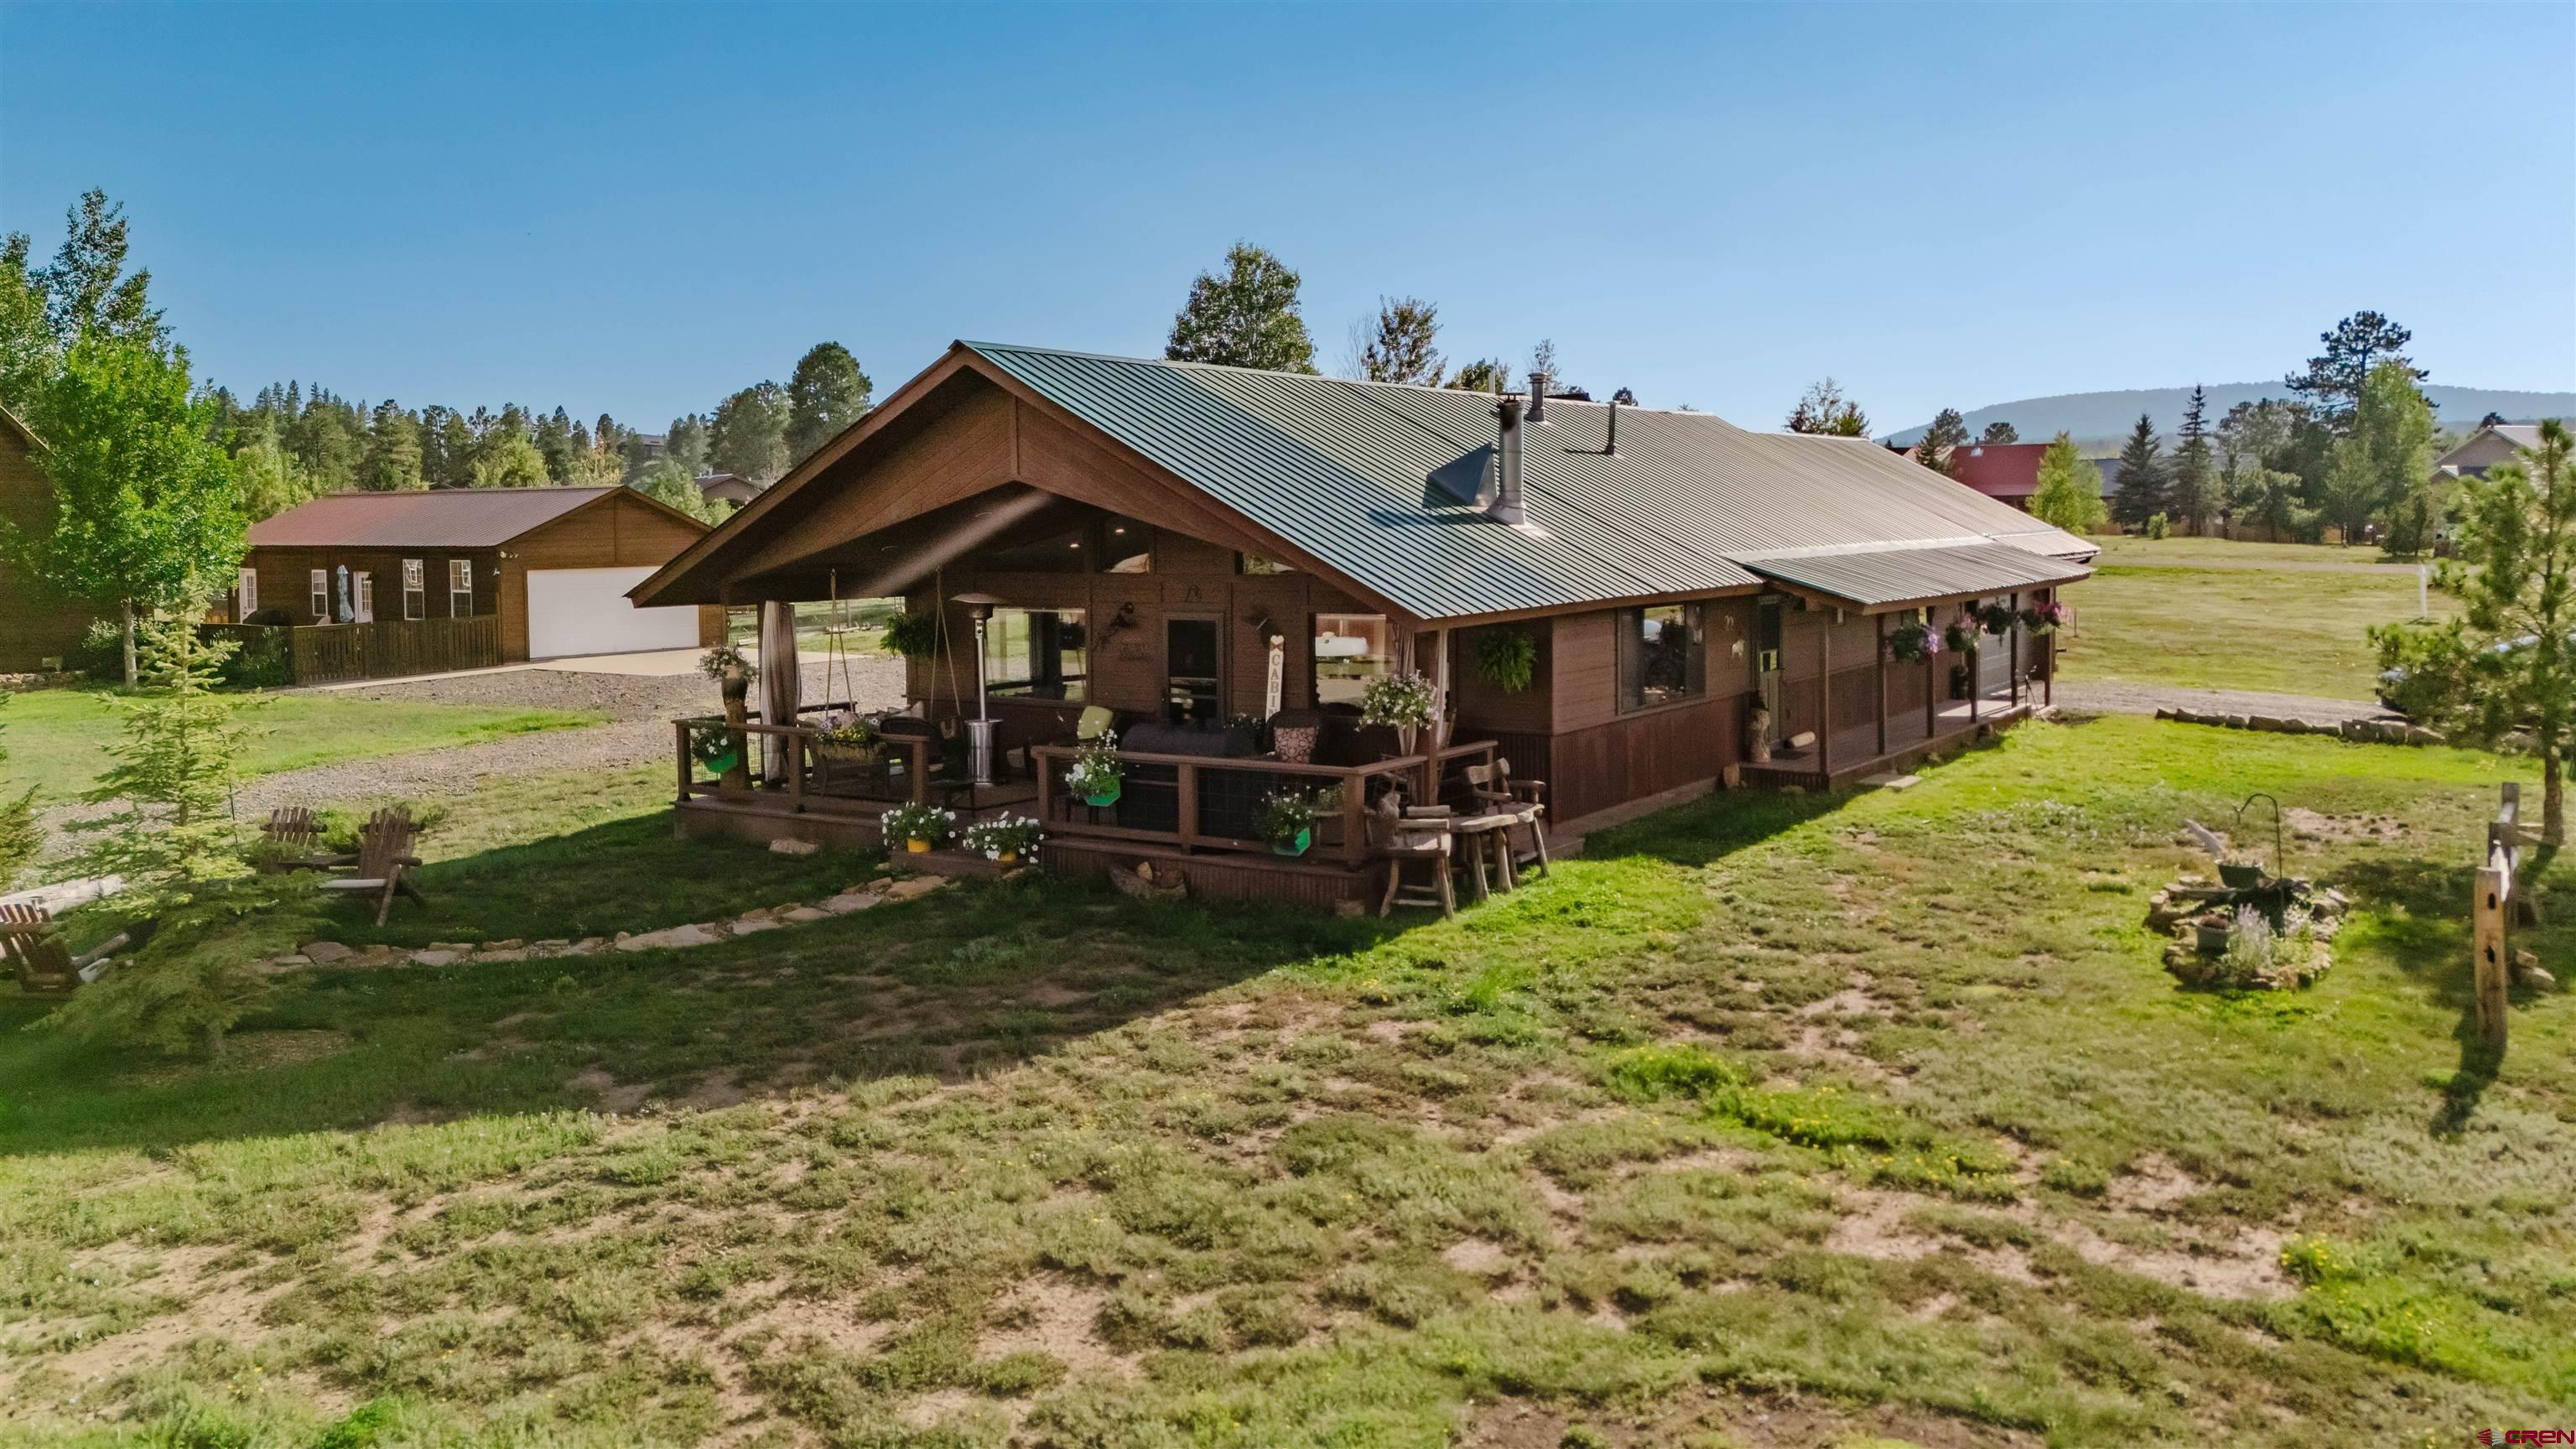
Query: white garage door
[{"x": 585, "y": 611}]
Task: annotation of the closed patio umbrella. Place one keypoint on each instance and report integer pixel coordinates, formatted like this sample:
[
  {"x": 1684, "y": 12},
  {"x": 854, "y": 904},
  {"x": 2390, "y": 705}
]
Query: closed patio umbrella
[{"x": 781, "y": 683}]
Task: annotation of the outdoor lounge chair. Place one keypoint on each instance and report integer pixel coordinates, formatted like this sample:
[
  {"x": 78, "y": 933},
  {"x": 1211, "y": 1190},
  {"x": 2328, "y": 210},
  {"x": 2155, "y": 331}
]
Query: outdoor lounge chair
[
  {"x": 32, "y": 942},
  {"x": 298, "y": 837},
  {"x": 1494, "y": 790},
  {"x": 383, "y": 863}
]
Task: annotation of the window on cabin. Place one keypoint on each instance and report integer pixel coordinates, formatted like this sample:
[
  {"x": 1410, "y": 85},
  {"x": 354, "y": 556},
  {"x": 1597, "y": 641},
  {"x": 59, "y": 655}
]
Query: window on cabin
[
  {"x": 415, "y": 588},
  {"x": 1350, "y": 650},
  {"x": 460, "y": 588},
  {"x": 322, "y": 596},
  {"x": 1036, "y": 654},
  {"x": 1661, "y": 658}
]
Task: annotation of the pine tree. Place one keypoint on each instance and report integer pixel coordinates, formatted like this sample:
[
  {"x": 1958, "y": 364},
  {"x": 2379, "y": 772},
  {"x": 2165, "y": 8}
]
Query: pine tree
[
  {"x": 825, "y": 395},
  {"x": 1485, "y": 374},
  {"x": 2382, "y": 467},
  {"x": 2070, "y": 490},
  {"x": 392, "y": 461},
  {"x": 2193, "y": 496},
  {"x": 1823, "y": 409},
  {"x": 1947, "y": 431},
  {"x": 1246, "y": 318},
  {"x": 1543, "y": 369},
  {"x": 2142, "y": 476},
  {"x": 555, "y": 444},
  {"x": 1999, "y": 432},
  {"x": 509, "y": 459},
  {"x": 2507, "y": 664},
  {"x": 748, "y": 434},
  {"x": 1397, "y": 345},
  {"x": 2332, "y": 383},
  {"x": 86, "y": 288},
  {"x": 685, "y": 443}
]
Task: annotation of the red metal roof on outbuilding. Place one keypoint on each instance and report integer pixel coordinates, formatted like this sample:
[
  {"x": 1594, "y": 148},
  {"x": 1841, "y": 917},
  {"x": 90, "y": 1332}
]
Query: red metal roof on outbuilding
[
  {"x": 437, "y": 518},
  {"x": 1998, "y": 470}
]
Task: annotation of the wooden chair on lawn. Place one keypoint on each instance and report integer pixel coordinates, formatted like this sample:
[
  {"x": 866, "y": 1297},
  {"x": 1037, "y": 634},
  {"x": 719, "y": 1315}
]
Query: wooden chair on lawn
[
  {"x": 383, "y": 863},
  {"x": 1401, "y": 840},
  {"x": 1495, "y": 791},
  {"x": 33, "y": 943},
  {"x": 294, "y": 830}
]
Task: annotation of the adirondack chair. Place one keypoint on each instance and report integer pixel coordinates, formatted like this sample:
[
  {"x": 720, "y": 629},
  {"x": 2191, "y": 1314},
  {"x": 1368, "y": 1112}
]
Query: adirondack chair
[
  {"x": 295, "y": 830},
  {"x": 384, "y": 858},
  {"x": 32, "y": 943}
]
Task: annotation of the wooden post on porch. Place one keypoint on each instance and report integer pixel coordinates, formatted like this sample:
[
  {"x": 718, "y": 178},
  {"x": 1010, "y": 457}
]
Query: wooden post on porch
[
  {"x": 1882, "y": 682},
  {"x": 2012, "y": 686},
  {"x": 1976, "y": 667},
  {"x": 1432, "y": 738},
  {"x": 1825, "y": 702},
  {"x": 1931, "y": 687},
  {"x": 2048, "y": 662}
]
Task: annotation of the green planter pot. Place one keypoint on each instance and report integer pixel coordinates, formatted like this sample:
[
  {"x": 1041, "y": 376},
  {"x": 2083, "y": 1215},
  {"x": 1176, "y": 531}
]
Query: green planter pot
[
  {"x": 723, "y": 762},
  {"x": 1106, "y": 797},
  {"x": 1305, "y": 838}
]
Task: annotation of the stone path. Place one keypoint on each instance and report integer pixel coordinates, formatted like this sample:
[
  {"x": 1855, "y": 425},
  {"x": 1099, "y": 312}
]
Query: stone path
[{"x": 884, "y": 890}]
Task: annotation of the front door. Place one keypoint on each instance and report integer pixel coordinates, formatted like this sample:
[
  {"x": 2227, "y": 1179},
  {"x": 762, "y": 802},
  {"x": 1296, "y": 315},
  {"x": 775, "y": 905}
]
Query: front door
[{"x": 1193, "y": 656}]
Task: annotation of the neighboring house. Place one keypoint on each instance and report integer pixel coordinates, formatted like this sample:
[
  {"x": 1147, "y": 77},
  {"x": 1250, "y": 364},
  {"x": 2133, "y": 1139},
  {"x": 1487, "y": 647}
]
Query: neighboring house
[
  {"x": 548, "y": 567},
  {"x": 1182, "y": 546},
  {"x": 730, "y": 488},
  {"x": 38, "y": 628},
  {"x": 2004, "y": 472},
  {"x": 2495, "y": 443}
]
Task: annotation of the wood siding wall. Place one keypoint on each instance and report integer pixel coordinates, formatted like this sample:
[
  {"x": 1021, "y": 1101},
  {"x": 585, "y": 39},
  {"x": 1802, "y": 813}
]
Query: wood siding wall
[
  {"x": 286, "y": 577},
  {"x": 35, "y": 624}
]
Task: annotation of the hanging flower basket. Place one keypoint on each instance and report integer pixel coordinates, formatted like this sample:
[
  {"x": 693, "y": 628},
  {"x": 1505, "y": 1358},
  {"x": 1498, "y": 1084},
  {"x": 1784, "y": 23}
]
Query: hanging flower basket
[
  {"x": 1997, "y": 618},
  {"x": 2045, "y": 618},
  {"x": 1913, "y": 641},
  {"x": 1400, "y": 700},
  {"x": 1960, "y": 635}
]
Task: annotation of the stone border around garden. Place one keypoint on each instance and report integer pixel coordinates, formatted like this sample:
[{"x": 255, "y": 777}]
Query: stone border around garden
[
  {"x": 884, "y": 890},
  {"x": 2361, "y": 731}
]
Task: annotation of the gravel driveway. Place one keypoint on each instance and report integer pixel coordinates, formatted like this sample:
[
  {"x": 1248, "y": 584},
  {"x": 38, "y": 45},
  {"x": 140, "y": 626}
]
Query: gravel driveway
[
  {"x": 2117, "y": 698},
  {"x": 638, "y": 707}
]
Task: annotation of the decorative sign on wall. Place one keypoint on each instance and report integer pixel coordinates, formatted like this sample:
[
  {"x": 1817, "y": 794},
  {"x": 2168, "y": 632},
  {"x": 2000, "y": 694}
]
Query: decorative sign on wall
[{"x": 1270, "y": 694}]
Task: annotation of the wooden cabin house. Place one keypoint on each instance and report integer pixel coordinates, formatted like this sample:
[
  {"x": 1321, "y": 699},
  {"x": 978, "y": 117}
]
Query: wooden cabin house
[{"x": 1613, "y": 598}]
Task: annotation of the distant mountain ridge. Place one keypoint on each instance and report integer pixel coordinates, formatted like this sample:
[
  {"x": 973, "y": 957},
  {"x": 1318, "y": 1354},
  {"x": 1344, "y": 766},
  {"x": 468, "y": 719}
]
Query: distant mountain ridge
[{"x": 2093, "y": 416}]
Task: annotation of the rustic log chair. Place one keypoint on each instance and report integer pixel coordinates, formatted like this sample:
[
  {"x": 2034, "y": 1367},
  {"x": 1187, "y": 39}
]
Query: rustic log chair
[
  {"x": 294, "y": 829},
  {"x": 1524, "y": 800},
  {"x": 1400, "y": 840},
  {"x": 1485, "y": 839},
  {"x": 383, "y": 861},
  {"x": 31, "y": 942}
]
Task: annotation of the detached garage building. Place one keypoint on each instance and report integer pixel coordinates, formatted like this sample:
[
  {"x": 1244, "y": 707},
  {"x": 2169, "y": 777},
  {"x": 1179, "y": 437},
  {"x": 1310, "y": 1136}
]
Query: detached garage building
[{"x": 549, "y": 566}]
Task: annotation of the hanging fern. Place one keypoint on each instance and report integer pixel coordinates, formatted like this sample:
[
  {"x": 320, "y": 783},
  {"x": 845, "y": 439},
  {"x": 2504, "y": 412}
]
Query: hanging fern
[
  {"x": 1506, "y": 658},
  {"x": 914, "y": 636}
]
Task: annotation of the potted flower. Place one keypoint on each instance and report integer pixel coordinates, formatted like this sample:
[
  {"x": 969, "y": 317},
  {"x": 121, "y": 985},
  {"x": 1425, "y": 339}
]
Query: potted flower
[
  {"x": 1996, "y": 618},
  {"x": 1288, "y": 821},
  {"x": 1400, "y": 701},
  {"x": 847, "y": 735},
  {"x": 1096, "y": 774},
  {"x": 733, "y": 674},
  {"x": 2045, "y": 618},
  {"x": 919, "y": 825},
  {"x": 914, "y": 636},
  {"x": 1913, "y": 641},
  {"x": 1005, "y": 838}
]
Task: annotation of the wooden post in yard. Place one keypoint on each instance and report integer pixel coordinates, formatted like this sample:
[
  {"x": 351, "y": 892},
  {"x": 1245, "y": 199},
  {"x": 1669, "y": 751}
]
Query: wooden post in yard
[
  {"x": 1882, "y": 682},
  {"x": 2494, "y": 960}
]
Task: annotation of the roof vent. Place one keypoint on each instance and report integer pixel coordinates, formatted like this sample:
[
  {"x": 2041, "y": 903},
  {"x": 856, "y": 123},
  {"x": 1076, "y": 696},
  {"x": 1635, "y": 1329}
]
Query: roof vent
[
  {"x": 1537, "y": 397},
  {"x": 1506, "y": 505},
  {"x": 1611, "y": 446}
]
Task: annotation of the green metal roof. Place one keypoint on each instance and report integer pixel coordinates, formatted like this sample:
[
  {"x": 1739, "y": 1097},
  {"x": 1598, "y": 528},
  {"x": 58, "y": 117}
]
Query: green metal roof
[
  {"x": 1379, "y": 481},
  {"x": 1877, "y": 578}
]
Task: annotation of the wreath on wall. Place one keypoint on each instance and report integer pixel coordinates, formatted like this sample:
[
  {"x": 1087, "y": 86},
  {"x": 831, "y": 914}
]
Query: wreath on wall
[{"x": 1506, "y": 659}]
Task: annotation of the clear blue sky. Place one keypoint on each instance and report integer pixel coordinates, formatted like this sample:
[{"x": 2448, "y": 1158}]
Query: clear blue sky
[{"x": 638, "y": 209}]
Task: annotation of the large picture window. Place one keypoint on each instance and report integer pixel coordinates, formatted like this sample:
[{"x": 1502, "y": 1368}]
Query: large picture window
[
  {"x": 1036, "y": 654},
  {"x": 1350, "y": 650},
  {"x": 1662, "y": 655}
]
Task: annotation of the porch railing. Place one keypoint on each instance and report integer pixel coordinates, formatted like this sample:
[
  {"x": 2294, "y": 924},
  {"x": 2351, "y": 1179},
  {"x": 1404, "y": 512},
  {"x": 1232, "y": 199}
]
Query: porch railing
[
  {"x": 1203, "y": 802},
  {"x": 810, "y": 775}
]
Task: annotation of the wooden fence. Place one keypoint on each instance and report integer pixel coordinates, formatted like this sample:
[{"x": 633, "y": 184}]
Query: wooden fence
[
  {"x": 2491, "y": 914},
  {"x": 329, "y": 653}
]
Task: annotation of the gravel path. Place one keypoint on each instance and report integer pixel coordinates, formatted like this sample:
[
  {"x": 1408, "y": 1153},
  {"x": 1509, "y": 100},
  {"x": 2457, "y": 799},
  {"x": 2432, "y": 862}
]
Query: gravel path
[
  {"x": 2117, "y": 698},
  {"x": 638, "y": 707}
]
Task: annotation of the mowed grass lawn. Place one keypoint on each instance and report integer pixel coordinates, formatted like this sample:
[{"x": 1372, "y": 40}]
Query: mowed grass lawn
[
  {"x": 55, "y": 738},
  {"x": 1775, "y": 1121},
  {"x": 2209, "y": 614}
]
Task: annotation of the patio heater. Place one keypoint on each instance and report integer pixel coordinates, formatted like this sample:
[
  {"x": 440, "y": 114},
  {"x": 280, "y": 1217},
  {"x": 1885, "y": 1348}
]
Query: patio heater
[{"x": 979, "y": 730}]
